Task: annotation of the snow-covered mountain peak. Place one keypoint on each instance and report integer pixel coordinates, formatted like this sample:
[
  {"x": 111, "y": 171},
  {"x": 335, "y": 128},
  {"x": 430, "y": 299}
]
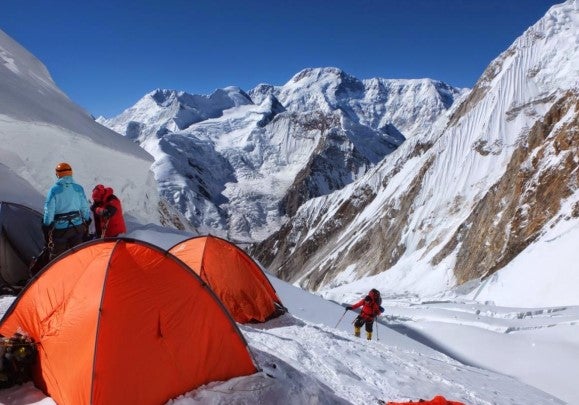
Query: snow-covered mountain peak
[
  {"x": 314, "y": 75},
  {"x": 557, "y": 35},
  {"x": 322, "y": 89},
  {"x": 260, "y": 92},
  {"x": 162, "y": 111},
  {"x": 406, "y": 106},
  {"x": 550, "y": 44},
  {"x": 276, "y": 146},
  {"x": 219, "y": 100}
]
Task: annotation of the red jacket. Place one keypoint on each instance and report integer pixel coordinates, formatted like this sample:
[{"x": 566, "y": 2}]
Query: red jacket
[
  {"x": 437, "y": 400},
  {"x": 370, "y": 308},
  {"x": 109, "y": 217}
]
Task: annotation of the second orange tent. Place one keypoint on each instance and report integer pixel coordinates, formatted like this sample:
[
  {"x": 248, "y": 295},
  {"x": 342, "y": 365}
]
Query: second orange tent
[{"x": 237, "y": 280}]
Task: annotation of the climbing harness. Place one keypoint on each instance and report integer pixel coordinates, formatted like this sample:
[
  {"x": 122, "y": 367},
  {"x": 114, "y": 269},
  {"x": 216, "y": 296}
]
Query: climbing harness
[{"x": 68, "y": 217}]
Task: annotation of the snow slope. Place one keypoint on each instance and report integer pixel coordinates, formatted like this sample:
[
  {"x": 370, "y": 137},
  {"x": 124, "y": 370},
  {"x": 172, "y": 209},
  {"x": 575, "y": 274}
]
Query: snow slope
[
  {"x": 40, "y": 127},
  {"x": 422, "y": 349}
]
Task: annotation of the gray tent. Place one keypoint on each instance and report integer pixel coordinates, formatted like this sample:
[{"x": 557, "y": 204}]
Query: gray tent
[{"x": 21, "y": 240}]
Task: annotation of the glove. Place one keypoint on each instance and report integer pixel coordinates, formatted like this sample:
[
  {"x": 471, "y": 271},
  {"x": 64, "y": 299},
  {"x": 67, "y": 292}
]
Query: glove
[
  {"x": 88, "y": 222},
  {"x": 349, "y": 308},
  {"x": 103, "y": 212},
  {"x": 381, "y": 309}
]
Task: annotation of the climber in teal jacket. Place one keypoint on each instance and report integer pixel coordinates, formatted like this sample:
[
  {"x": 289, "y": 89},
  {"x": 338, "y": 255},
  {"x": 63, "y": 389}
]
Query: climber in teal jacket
[{"x": 66, "y": 213}]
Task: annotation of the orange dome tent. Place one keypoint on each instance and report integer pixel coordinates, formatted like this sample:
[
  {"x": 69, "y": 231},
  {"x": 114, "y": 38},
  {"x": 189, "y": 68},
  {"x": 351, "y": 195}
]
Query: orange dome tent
[
  {"x": 234, "y": 276},
  {"x": 120, "y": 321}
]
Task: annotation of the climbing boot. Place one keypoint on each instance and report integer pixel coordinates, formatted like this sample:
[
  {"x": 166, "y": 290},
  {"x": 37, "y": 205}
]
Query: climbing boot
[
  {"x": 369, "y": 335},
  {"x": 356, "y": 331}
]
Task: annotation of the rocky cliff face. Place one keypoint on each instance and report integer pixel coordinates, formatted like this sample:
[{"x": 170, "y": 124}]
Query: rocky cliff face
[
  {"x": 327, "y": 237},
  {"x": 541, "y": 174}
]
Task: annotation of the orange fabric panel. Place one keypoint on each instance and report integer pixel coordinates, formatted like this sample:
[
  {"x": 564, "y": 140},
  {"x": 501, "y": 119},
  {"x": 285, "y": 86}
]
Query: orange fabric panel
[
  {"x": 161, "y": 332},
  {"x": 190, "y": 252},
  {"x": 238, "y": 282},
  {"x": 123, "y": 322},
  {"x": 59, "y": 310}
]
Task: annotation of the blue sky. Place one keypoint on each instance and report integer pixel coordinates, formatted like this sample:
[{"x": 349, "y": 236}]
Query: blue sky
[{"x": 107, "y": 54}]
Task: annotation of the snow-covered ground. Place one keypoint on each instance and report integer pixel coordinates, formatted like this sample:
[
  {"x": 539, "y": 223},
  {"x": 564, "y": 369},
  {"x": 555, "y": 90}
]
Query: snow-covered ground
[{"x": 472, "y": 352}]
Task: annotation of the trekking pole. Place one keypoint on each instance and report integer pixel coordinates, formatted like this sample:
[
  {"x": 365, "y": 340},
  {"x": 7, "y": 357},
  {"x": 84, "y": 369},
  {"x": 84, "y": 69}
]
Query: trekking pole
[{"x": 340, "y": 320}]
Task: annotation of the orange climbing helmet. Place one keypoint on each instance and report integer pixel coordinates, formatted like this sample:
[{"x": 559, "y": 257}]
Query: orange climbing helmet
[{"x": 63, "y": 169}]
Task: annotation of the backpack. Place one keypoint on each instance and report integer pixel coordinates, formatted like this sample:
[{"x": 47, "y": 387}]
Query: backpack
[{"x": 18, "y": 354}]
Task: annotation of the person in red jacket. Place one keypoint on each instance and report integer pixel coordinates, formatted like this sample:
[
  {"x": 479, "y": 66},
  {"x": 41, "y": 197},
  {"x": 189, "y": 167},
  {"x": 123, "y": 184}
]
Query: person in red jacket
[
  {"x": 107, "y": 212},
  {"x": 370, "y": 309}
]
